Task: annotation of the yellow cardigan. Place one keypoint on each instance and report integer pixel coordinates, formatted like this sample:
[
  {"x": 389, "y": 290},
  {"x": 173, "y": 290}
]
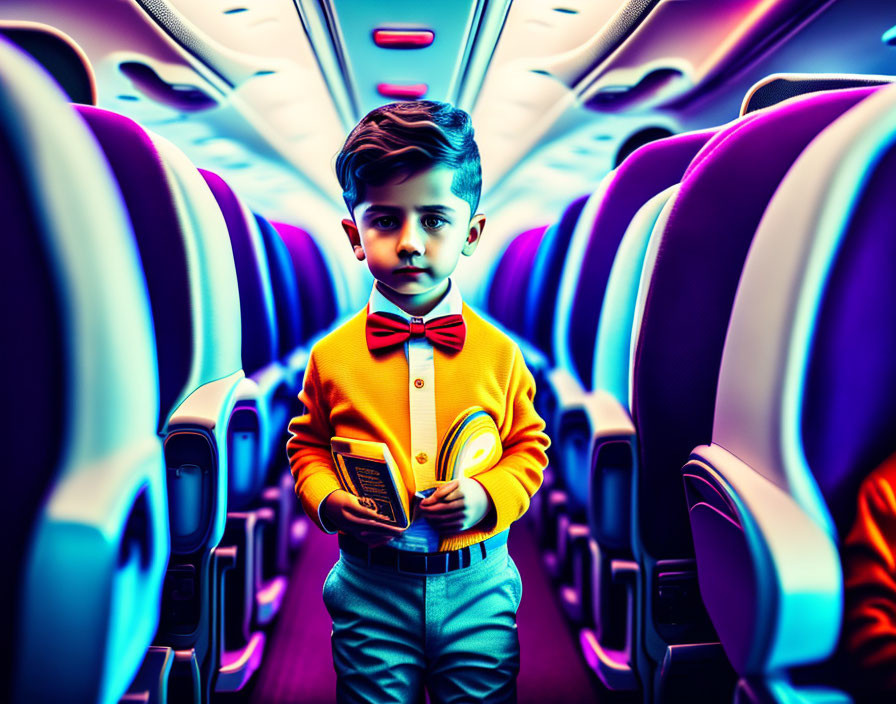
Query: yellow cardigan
[{"x": 350, "y": 392}]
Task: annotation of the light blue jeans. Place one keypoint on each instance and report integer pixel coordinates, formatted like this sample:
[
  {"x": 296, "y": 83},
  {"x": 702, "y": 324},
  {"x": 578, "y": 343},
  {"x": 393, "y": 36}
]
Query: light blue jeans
[{"x": 454, "y": 633}]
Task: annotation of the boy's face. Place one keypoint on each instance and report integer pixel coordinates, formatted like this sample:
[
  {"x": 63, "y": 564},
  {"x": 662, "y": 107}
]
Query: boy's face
[{"x": 412, "y": 232}]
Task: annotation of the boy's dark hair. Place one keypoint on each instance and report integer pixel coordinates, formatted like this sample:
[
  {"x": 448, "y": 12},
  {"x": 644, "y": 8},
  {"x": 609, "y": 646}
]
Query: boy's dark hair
[{"x": 406, "y": 138}]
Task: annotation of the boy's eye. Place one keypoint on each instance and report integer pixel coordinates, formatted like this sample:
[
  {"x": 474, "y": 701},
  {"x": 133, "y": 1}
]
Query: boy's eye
[
  {"x": 433, "y": 222},
  {"x": 385, "y": 222}
]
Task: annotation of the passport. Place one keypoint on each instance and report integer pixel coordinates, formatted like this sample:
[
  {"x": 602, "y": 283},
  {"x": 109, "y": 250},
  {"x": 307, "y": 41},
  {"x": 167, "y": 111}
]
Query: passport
[{"x": 367, "y": 469}]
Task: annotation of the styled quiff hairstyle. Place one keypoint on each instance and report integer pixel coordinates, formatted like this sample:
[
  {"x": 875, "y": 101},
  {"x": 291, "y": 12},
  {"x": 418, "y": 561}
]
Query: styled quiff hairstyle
[{"x": 406, "y": 138}]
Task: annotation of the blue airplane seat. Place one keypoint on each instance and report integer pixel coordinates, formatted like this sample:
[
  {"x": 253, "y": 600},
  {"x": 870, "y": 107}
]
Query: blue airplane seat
[
  {"x": 681, "y": 319},
  {"x": 506, "y": 302},
  {"x": 287, "y": 303},
  {"x": 291, "y": 524},
  {"x": 316, "y": 286},
  {"x": 805, "y": 409},
  {"x": 539, "y": 294},
  {"x": 86, "y": 525},
  {"x": 507, "y": 288},
  {"x": 186, "y": 255},
  {"x": 259, "y": 336}
]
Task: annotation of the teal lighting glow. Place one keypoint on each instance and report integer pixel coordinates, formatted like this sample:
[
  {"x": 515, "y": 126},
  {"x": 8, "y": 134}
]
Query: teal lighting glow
[
  {"x": 889, "y": 37},
  {"x": 614, "y": 330}
]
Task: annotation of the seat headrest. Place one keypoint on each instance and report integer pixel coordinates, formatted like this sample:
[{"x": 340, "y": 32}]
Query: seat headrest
[
  {"x": 647, "y": 171},
  {"x": 285, "y": 286},
  {"x": 779, "y": 87},
  {"x": 60, "y": 56},
  {"x": 508, "y": 284},
  {"x": 547, "y": 266},
  {"x": 316, "y": 286},
  {"x": 259, "y": 328},
  {"x": 83, "y": 395}
]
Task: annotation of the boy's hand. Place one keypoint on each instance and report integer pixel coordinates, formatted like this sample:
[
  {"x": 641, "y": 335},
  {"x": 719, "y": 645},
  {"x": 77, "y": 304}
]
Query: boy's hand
[
  {"x": 456, "y": 506},
  {"x": 348, "y": 514}
]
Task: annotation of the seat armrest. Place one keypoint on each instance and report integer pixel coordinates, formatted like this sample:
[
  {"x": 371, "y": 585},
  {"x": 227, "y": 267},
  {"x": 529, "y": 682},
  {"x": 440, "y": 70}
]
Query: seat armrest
[
  {"x": 613, "y": 666},
  {"x": 150, "y": 685},
  {"x": 758, "y": 548},
  {"x": 566, "y": 388},
  {"x": 608, "y": 419},
  {"x": 209, "y": 406},
  {"x": 196, "y": 440},
  {"x": 273, "y": 408},
  {"x": 598, "y": 412},
  {"x": 613, "y": 458},
  {"x": 562, "y": 405}
]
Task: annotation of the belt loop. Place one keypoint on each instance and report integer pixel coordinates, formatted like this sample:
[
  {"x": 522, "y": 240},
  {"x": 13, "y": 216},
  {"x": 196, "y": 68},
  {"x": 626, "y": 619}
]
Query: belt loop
[{"x": 482, "y": 545}]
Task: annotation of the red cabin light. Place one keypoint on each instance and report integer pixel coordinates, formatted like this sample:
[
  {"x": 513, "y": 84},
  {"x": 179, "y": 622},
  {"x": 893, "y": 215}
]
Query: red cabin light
[
  {"x": 403, "y": 38},
  {"x": 413, "y": 91}
]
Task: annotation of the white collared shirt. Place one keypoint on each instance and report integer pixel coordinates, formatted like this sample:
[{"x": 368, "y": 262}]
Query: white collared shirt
[
  {"x": 422, "y": 407},
  {"x": 420, "y": 536}
]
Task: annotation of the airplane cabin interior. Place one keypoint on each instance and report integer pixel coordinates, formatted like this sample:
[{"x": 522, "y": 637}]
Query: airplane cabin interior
[{"x": 689, "y": 238}]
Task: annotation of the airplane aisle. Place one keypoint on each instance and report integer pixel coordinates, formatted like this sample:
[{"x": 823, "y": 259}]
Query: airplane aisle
[{"x": 298, "y": 668}]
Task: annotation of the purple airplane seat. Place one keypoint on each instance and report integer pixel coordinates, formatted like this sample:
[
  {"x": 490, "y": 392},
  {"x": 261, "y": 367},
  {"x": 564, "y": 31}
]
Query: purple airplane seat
[
  {"x": 596, "y": 239},
  {"x": 193, "y": 290},
  {"x": 85, "y": 524},
  {"x": 805, "y": 409},
  {"x": 507, "y": 289},
  {"x": 316, "y": 292},
  {"x": 259, "y": 334},
  {"x": 287, "y": 304},
  {"x": 681, "y": 321},
  {"x": 539, "y": 303}
]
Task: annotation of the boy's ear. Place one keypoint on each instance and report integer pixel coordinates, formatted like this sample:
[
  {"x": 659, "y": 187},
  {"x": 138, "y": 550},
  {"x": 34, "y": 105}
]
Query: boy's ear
[
  {"x": 354, "y": 238},
  {"x": 474, "y": 233}
]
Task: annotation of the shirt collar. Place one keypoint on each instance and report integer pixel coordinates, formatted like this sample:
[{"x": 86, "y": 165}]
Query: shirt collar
[{"x": 451, "y": 303}]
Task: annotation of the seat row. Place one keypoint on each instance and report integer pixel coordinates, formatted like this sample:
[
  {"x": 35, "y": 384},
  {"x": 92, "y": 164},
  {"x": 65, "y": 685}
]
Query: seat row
[
  {"x": 714, "y": 370},
  {"x": 158, "y": 335}
]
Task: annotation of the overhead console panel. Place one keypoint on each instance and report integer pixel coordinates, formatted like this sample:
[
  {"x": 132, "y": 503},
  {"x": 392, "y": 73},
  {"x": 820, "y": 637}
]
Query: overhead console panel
[{"x": 678, "y": 51}]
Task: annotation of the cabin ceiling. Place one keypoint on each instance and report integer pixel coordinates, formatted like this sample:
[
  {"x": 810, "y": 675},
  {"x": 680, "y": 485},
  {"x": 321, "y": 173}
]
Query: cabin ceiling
[{"x": 264, "y": 91}]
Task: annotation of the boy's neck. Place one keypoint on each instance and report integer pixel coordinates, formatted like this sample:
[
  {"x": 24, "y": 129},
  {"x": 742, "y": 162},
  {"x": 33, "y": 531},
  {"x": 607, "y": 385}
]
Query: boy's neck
[{"x": 418, "y": 305}]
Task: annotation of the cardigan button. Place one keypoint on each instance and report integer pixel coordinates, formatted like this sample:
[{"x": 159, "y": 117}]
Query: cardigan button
[
  {"x": 422, "y": 457},
  {"x": 418, "y": 383}
]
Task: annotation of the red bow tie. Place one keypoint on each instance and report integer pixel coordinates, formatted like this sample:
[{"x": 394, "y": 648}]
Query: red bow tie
[{"x": 387, "y": 329}]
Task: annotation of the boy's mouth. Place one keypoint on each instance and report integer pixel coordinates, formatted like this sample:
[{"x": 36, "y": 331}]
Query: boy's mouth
[{"x": 410, "y": 270}]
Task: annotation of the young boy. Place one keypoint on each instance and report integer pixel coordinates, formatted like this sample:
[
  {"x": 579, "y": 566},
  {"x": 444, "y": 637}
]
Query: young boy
[{"x": 434, "y": 605}]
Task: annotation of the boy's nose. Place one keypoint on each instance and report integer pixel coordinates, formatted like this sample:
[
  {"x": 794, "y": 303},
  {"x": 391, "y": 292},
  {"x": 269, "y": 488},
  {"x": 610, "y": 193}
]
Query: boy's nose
[{"x": 411, "y": 241}]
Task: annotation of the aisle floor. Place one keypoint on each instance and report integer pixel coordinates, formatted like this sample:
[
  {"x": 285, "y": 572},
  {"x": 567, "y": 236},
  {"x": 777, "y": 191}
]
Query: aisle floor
[{"x": 298, "y": 668}]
